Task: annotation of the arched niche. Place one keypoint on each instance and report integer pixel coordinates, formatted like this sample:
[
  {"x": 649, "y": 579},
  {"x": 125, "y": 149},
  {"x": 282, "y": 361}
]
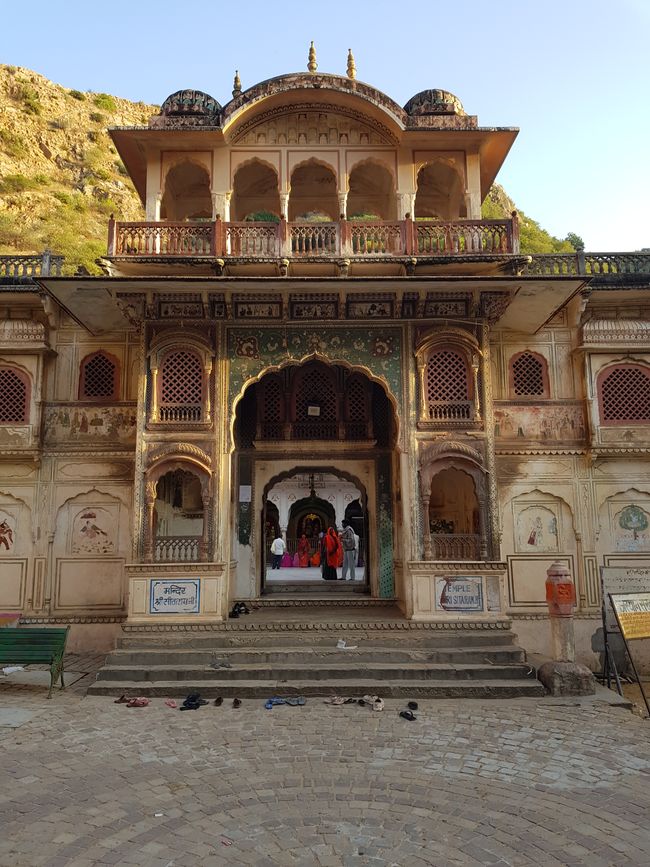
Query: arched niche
[
  {"x": 454, "y": 502},
  {"x": 255, "y": 191},
  {"x": 371, "y": 193},
  {"x": 313, "y": 192},
  {"x": 186, "y": 194},
  {"x": 178, "y": 515},
  {"x": 440, "y": 192}
]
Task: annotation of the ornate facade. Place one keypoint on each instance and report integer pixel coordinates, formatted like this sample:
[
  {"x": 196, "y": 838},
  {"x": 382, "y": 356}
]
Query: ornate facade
[{"x": 314, "y": 323}]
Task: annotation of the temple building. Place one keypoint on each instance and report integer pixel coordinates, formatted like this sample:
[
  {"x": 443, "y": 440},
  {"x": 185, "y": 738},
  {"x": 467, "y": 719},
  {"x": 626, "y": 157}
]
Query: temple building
[{"x": 315, "y": 324}]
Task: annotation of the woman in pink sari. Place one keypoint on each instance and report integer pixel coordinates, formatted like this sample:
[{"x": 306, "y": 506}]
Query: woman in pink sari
[{"x": 303, "y": 552}]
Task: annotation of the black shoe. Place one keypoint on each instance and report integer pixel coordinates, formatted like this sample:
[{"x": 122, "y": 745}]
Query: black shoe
[
  {"x": 412, "y": 705},
  {"x": 218, "y": 701},
  {"x": 236, "y": 702}
]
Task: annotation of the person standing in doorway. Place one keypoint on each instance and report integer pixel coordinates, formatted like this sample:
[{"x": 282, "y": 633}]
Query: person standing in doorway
[
  {"x": 330, "y": 549},
  {"x": 349, "y": 541},
  {"x": 277, "y": 549}
]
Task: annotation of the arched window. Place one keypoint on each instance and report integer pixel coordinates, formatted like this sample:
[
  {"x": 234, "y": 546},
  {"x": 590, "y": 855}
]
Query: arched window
[
  {"x": 528, "y": 375},
  {"x": 181, "y": 387},
  {"x": 14, "y": 396},
  {"x": 624, "y": 395},
  {"x": 447, "y": 386},
  {"x": 99, "y": 377}
]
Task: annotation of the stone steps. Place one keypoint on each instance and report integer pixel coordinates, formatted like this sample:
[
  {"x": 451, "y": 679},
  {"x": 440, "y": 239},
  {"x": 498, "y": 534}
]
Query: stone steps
[
  {"x": 314, "y": 671},
  {"x": 292, "y": 651},
  {"x": 357, "y": 688},
  {"x": 184, "y": 657}
]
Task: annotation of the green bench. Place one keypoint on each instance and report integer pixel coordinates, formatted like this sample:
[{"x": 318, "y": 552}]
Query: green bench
[{"x": 30, "y": 646}]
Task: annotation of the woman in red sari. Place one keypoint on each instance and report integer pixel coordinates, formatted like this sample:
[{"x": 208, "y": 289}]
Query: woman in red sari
[
  {"x": 303, "y": 552},
  {"x": 332, "y": 550}
]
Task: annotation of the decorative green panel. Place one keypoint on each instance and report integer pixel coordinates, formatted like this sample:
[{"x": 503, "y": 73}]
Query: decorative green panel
[
  {"x": 252, "y": 350},
  {"x": 385, "y": 524}
]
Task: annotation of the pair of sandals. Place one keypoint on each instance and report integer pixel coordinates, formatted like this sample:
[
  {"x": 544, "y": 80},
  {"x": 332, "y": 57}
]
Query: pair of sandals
[
  {"x": 270, "y": 703},
  {"x": 408, "y": 714},
  {"x": 372, "y": 701},
  {"x": 193, "y": 702},
  {"x": 140, "y": 701},
  {"x": 238, "y": 609}
]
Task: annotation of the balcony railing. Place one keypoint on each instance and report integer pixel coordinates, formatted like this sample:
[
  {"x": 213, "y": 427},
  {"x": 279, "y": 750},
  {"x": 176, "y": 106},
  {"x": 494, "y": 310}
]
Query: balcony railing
[
  {"x": 276, "y": 431},
  {"x": 455, "y": 546},
  {"x": 177, "y": 549},
  {"x": 372, "y": 239}
]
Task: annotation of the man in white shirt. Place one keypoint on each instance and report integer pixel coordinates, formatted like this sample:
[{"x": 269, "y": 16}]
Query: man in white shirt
[{"x": 277, "y": 549}]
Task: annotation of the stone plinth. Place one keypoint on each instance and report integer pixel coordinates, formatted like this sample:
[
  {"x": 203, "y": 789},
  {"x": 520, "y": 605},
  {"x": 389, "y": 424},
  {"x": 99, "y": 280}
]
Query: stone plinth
[{"x": 567, "y": 678}]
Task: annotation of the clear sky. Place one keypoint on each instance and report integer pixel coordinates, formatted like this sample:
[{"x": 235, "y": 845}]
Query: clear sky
[{"x": 574, "y": 75}]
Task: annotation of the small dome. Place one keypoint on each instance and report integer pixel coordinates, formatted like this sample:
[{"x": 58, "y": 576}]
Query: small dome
[
  {"x": 190, "y": 102},
  {"x": 434, "y": 102}
]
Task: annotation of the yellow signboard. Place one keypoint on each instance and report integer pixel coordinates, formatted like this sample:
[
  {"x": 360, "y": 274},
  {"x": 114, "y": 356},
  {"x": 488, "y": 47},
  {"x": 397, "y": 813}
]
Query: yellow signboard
[{"x": 633, "y": 613}]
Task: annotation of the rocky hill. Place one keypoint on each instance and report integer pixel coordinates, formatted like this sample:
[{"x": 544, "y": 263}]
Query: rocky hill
[{"x": 61, "y": 177}]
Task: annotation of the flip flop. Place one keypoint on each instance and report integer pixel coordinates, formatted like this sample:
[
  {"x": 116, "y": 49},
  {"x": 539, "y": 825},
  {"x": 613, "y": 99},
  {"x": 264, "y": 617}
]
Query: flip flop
[
  {"x": 138, "y": 702},
  {"x": 170, "y": 702},
  {"x": 295, "y": 702},
  {"x": 121, "y": 700},
  {"x": 335, "y": 699},
  {"x": 408, "y": 714}
]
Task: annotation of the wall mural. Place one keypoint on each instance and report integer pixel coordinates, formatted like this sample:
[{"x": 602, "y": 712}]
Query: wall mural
[
  {"x": 536, "y": 530},
  {"x": 252, "y": 350},
  {"x": 539, "y": 422},
  {"x": 93, "y": 531},
  {"x": 630, "y": 529},
  {"x": 7, "y": 531},
  {"x": 104, "y": 424}
]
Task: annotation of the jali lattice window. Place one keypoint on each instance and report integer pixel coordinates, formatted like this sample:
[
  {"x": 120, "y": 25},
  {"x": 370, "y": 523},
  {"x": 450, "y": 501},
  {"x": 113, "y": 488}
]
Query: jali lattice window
[
  {"x": 356, "y": 409},
  {"x": 181, "y": 387},
  {"x": 99, "y": 377},
  {"x": 14, "y": 396},
  {"x": 315, "y": 405},
  {"x": 272, "y": 415},
  {"x": 447, "y": 386},
  {"x": 624, "y": 395},
  {"x": 528, "y": 375}
]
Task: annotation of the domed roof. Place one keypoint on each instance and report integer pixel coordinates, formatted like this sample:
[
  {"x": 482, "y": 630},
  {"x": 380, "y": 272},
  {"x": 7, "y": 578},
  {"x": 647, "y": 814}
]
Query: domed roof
[
  {"x": 434, "y": 101},
  {"x": 190, "y": 102}
]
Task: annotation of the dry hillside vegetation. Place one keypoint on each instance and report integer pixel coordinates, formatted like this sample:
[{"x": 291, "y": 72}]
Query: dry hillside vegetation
[{"x": 61, "y": 177}]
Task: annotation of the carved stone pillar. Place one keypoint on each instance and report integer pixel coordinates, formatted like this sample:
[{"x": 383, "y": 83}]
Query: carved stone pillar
[
  {"x": 205, "y": 535},
  {"x": 153, "y": 204},
  {"x": 208, "y": 402},
  {"x": 154, "y": 394},
  {"x": 477, "y": 396},
  {"x": 482, "y": 523},
  {"x": 427, "y": 544},
  {"x": 221, "y": 205},
  {"x": 343, "y": 203},
  {"x": 422, "y": 409},
  {"x": 284, "y": 203},
  {"x": 405, "y": 204},
  {"x": 150, "y": 502}
]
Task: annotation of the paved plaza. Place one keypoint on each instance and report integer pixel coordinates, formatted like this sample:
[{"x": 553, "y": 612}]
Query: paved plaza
[{"x": 84, "y": 781}]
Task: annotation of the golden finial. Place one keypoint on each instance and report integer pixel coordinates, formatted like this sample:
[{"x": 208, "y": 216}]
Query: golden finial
[
  {"x": 312, "y": 66},
  {"x": 352, "y": 68},
  {"x": 236, "y": 85}
]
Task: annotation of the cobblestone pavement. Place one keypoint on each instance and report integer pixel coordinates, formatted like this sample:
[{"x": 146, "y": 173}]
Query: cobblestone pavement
[{"x": 522, "y": 782}]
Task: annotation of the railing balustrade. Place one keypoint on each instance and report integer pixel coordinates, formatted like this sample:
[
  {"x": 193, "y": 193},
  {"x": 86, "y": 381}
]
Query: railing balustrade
[
  {"x": 180, "y": 412},
  {"x": 44, "y": 265},
  {"x": 442, "y": 410},
  {"x": 177, "y": 549},
  {"x": 320, "y": 430},
  {"x": 252, "y": 239},
  {"x": 437, "y": 238},
  {"x": 314, "y": 239},
  {"x": 164, "y": 239},
  {"x": 455, "y": 546},
  {"x": 376, "y": 238}
]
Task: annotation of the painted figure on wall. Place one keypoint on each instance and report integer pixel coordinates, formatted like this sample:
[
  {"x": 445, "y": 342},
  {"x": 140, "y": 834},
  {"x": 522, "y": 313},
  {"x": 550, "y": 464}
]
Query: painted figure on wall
[
  {"x": 92, "y": 532},
  {"x": 537, "y": 530},
  {"x": 6, "y": 535},
  {"x": 630, "y": 529}
]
